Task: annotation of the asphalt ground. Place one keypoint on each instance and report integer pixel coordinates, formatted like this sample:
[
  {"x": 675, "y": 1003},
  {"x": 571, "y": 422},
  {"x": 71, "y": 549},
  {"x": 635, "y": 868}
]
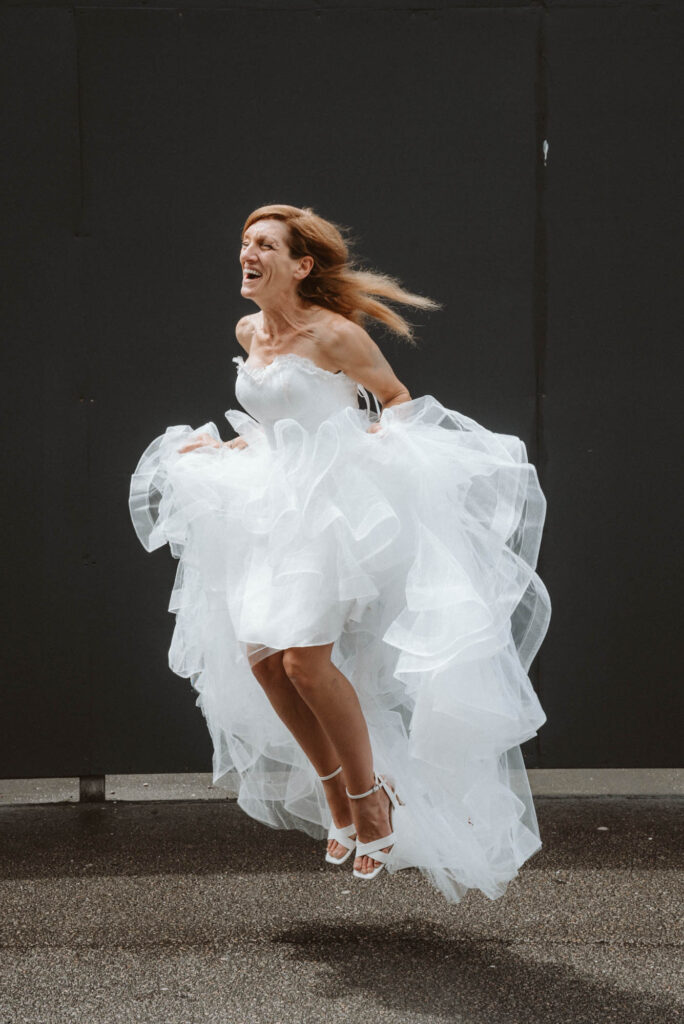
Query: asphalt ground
[{"x": 186, "y": 912}]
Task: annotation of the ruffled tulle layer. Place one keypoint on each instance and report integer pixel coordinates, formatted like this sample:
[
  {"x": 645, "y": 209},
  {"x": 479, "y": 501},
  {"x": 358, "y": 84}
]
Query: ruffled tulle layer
[{"x": 413, "y": 550}]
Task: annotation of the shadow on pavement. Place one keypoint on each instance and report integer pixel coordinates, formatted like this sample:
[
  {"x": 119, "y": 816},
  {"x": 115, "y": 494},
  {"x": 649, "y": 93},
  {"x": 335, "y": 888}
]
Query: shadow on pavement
[{"x": 463, "y": 978}]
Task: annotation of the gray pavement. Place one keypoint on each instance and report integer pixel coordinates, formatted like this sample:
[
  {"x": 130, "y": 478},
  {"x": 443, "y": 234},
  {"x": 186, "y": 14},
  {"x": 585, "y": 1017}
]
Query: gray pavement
[{"x": 186, "y": 912}]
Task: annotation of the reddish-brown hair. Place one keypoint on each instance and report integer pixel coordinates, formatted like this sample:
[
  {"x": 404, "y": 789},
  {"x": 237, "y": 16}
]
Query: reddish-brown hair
[{"x": 333, "y": 282}]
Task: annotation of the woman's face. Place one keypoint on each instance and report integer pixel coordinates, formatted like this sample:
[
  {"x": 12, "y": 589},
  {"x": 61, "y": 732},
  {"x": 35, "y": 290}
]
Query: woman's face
[{"x": 269, "y": 273}]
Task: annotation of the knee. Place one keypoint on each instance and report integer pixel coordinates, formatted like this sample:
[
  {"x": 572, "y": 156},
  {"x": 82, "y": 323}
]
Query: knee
[
  {"x": 269, "y": 672},
  {"x": 302, "y": 667}
]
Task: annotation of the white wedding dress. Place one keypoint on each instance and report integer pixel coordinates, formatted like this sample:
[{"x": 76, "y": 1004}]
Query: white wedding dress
[{"x": 414, "y": 550}]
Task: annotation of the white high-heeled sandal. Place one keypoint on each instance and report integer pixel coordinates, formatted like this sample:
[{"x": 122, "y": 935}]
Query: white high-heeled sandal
[
  {"x": 374, "y": 848},
  {"x": 340, "y": 835}
]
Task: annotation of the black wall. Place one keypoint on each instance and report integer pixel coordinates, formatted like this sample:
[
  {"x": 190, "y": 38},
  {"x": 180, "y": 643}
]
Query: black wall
[{"x": 137, "y": 139}]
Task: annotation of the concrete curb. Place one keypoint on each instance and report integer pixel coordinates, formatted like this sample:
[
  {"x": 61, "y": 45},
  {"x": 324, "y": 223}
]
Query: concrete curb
[{"x": 561, "y": 782}]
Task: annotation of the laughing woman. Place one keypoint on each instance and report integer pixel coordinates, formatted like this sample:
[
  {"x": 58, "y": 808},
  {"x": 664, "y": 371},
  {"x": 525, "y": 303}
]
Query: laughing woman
[{"x": 356, "y": 599}]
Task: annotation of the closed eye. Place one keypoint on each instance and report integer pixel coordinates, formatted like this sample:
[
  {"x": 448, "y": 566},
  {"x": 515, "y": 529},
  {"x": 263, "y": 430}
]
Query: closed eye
[{"x": 266, "y": 245}]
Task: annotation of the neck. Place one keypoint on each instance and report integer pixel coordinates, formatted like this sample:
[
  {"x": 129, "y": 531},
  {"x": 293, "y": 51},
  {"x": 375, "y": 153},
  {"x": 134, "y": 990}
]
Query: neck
[{"x": 283, "y": 317}]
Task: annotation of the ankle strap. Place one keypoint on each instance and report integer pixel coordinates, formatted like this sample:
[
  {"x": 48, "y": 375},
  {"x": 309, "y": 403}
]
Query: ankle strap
[
  {"x": 324, "y": 778},
  {"x": 373, "y": 789}
]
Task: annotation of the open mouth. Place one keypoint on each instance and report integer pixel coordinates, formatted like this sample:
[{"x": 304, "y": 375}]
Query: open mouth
[{"x": 251, "y": 275}]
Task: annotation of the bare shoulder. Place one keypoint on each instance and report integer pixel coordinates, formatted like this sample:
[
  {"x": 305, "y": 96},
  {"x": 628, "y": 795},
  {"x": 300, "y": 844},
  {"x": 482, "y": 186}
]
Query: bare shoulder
[
  {"x": 244, "y": 330},
  {"x": 352, "y": 350},
  {"x": 351, "y": 345}
]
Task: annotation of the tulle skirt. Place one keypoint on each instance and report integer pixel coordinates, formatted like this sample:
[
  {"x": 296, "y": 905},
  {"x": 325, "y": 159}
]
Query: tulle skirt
[{"x": 413, "y": 550}]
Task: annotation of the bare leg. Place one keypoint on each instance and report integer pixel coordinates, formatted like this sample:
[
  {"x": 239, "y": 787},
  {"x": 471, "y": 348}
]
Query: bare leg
[
  {"x": 333, "y": 700},
  {"x": 296, "y": 714}
]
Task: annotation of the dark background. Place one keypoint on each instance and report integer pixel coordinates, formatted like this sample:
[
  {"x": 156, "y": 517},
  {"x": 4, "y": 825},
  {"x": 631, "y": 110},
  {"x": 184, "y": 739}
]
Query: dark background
[{"x": 138, "y": 138}]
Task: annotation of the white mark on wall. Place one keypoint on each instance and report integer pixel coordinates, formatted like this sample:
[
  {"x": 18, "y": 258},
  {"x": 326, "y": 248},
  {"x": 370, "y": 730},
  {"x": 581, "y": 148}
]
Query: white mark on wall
[{"x": 545, "y": 150}]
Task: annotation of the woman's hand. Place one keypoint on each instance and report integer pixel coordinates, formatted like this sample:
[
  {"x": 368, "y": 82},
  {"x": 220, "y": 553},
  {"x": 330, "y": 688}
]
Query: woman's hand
[
  {"x": 375, "y": 427},
  {"x": 206, "y": 440}
]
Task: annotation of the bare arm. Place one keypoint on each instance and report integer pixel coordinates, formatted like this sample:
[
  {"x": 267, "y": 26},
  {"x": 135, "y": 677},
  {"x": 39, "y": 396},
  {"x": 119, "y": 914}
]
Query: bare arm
[{"x": 353, "y": 350}]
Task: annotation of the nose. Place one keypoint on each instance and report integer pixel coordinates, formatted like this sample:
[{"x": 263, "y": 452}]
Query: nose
[{"x": 246, "y": 252}]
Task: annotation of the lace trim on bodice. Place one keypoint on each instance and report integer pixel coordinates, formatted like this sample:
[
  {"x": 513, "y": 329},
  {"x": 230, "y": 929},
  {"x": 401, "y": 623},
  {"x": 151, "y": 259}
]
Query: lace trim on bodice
[{"x": 309, "y": 366}]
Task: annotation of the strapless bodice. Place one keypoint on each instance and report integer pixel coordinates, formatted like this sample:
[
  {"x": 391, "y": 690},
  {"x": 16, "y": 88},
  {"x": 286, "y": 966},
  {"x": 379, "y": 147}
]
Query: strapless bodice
[{"x": 293, "y": 387}]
